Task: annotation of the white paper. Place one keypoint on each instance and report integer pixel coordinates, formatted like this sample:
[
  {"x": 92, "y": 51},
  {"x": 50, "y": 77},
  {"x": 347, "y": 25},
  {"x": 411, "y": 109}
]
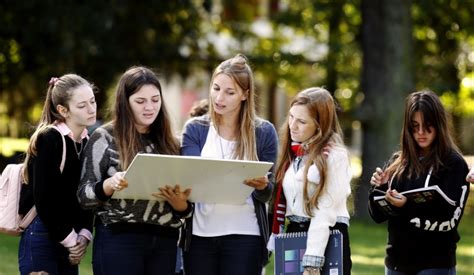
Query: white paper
[{"x": 211, "y": 180}]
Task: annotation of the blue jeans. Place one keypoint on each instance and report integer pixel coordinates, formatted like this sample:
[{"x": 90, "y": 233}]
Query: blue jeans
[
  {"x": 132, "y": 253},
  {"x": 37, "y": 252},
  {"x": 431, "y": 271},
  {"x": 224, "y": 255},
  {"x": 179, "y": 261}
]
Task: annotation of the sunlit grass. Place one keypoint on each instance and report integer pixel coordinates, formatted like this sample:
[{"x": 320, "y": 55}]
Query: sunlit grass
[
  {"x": 9, "y": 146},
  {"x": 465, "y": 250},
  {"x": 359, "y": 260},
  {"x": 367, "y": 246}
]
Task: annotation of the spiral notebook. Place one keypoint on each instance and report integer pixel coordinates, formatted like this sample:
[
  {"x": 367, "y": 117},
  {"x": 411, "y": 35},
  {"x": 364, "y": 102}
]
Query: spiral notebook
[{"x": 290, "y": 249}]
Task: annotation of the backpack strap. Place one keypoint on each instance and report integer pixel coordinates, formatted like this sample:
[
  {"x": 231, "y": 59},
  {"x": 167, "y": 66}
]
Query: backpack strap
[{"x": 63, "y": 160}]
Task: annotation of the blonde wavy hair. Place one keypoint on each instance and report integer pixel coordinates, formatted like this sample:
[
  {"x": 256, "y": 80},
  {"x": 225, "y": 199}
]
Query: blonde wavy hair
[{"x": 239, "y": 70}]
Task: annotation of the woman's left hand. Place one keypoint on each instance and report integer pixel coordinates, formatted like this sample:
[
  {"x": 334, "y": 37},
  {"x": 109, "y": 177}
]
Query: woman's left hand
[
  {"x": 257, "y": 183},
  {"x": 394, "y": 198},
  {"x": 174, "y": 196}
]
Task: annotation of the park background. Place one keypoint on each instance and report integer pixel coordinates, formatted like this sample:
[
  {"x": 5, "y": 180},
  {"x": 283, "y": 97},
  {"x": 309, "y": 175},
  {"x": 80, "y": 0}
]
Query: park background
[{"x": 368, "y": 53}]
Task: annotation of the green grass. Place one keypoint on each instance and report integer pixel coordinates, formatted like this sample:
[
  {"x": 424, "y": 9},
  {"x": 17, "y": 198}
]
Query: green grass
[
  {"x": 367, "y": 246},
  {"x": 9, "y": 257}
]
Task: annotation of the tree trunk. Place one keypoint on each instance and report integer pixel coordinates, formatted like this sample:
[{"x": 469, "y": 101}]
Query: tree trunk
[
  {"x": 387, "y": 77},
  {"x": 334, "y": 45}
]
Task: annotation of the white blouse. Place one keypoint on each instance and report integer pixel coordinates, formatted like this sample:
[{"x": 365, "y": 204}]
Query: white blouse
[
  {"x": 211, "y": 219},
  {"x": 332, "y": 203}
]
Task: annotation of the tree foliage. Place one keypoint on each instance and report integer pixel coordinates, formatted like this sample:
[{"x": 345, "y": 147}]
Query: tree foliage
[
  {"x": 292, "y": 45},
  {"x": 96, "y": 39},
  {"x": 306, "y": 43}
]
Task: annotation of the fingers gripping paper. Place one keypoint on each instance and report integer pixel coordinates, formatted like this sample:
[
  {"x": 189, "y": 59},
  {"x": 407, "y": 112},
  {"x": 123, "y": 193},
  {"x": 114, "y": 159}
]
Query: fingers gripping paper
[{"x": 211, "y": 180}]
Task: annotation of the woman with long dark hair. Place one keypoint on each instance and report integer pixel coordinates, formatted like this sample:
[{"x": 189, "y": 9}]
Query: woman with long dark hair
[
  {"x": 422, "y": 237},
  {"x": 132, "y": 237}
]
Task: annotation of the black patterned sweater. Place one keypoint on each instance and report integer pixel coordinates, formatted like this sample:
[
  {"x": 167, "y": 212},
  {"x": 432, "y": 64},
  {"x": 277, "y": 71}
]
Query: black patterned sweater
[{"x": 101, "y": 161}]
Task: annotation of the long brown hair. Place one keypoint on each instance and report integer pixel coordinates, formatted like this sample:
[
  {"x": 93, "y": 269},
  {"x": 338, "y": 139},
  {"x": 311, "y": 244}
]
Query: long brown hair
[
  {"x": 59, "y": 92},
  {"x": 239, "y": 70},
  {"x": 322, "y": 109},
  {"x": 126, "y": 135},
  {"x": 428, "y": 104}
]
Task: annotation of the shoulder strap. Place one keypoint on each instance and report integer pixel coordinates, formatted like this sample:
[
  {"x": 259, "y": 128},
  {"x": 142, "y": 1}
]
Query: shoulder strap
[{"x": 63, "y": 159}]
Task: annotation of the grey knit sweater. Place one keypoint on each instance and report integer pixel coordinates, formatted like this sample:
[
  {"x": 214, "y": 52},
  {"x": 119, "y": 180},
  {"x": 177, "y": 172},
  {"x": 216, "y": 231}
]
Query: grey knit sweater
[{"x": 101, "y": 161}]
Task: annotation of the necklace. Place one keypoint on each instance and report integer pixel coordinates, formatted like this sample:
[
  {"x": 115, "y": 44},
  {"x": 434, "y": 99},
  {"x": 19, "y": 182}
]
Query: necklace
[
  {"x": 221, "y": 147},
  {"x": 220, "y": 144},
  {"x": 78, "y": 152}
]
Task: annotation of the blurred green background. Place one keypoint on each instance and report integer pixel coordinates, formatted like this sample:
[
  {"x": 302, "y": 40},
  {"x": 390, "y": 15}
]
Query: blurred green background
[{"x": 368, "y": 54}]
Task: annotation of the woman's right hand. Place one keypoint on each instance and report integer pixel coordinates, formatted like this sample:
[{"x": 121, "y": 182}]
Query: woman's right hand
[
  {"x": 115, "y": 183},
  {"x": 470, "y": 175},
  {"x": 311, "y": 271},
  {"x": 174, "y": 196},
  {"x": 379, "y": 177},
  {"x": 77, "y": 252}
]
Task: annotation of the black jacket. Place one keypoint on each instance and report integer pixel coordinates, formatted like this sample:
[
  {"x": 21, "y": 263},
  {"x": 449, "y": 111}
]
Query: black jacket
[{"x": 422, "y": 236}]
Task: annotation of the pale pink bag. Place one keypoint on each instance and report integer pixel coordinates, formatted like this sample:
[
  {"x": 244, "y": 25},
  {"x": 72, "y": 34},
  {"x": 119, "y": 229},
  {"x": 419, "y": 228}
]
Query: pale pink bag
[{"x": 11, "y": 180}]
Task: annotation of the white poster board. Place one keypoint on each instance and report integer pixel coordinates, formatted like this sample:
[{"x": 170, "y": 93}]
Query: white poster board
[{"x": 211, "y": 180}]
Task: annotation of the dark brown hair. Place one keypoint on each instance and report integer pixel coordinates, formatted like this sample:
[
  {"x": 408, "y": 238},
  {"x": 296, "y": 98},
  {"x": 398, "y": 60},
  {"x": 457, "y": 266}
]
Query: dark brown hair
[
  {"x": 433, "y": 113},
  {"x": 126, "y": 135}
]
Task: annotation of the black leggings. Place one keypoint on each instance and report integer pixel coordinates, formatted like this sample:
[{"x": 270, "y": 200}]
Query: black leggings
[{"x": 346, "y": 248}]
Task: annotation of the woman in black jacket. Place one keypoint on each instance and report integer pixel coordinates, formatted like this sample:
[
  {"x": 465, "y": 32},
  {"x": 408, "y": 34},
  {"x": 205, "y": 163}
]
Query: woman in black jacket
[
  {"x": 57, "y": 238},
  {"x": 422, "y": 237}
]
